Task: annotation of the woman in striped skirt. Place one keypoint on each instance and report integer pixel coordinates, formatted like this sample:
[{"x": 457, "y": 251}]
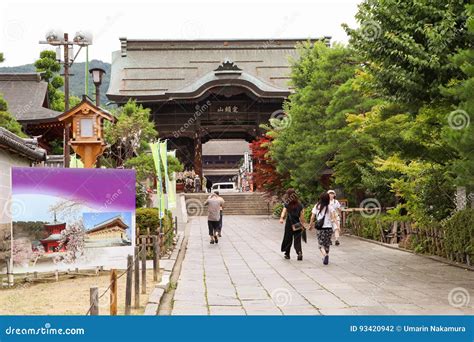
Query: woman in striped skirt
[{"x": 323, "y": 212}]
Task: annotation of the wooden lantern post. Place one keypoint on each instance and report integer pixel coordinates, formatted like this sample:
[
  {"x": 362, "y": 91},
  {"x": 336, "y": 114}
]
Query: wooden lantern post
[{"x": 86, "y": 122}]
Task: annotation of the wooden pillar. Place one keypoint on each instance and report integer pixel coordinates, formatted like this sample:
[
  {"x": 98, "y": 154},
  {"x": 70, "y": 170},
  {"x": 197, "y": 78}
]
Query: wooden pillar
[
  {"x": 94, "y": 301},
  {"x": 137, "y": 277},
  {"x": 143, "y": 257},
  {"x": 128, "y": 287},
  {"x": 113, "y": 292},
  {"x": 198, "y": 149}
]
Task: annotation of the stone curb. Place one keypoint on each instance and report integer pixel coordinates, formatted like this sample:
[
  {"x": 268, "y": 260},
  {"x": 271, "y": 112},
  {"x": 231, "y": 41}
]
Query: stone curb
[
  {"x": 167, "y": 265},
  {"x": 432, "y": 257}
]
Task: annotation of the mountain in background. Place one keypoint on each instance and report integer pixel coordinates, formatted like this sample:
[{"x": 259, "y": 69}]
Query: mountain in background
[{"x": 77, "y": 81}]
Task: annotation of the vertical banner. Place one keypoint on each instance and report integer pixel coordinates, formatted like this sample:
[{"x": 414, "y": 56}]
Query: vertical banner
[
  {"x": 171, "y": 185},
  {"x": 164, "y": 160},
  {"x": 155, "y": 151}
]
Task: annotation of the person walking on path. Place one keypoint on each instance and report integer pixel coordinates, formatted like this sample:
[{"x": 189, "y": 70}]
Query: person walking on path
[
  {"x": 219, "y": 233},
  {"x": 337, "y": 207},
  {"x": 214, "y": 203},
  {"x": 293, "y": 216},
  {"x": 323, "y": 216}
]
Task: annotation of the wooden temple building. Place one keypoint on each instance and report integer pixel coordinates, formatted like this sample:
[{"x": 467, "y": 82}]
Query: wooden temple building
[
  {"x": 112, "y": 232},
  {"x": 27, "y": 98},
  {"x": 200, "y": 90}
]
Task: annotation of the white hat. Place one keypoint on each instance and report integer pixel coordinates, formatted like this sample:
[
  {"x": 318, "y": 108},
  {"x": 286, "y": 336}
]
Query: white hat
[{"x": 331, "y": 192}]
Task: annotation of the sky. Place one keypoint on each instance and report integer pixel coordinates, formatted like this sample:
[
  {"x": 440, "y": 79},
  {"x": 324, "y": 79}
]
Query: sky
[{"x": 24, "y": 23}]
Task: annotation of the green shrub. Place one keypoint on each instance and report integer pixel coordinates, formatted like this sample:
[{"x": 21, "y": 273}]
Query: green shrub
[
  {"x": 147, "y": 220},
  {"x": 458, "y": 239},
  {"x": 367, "y": 227}
]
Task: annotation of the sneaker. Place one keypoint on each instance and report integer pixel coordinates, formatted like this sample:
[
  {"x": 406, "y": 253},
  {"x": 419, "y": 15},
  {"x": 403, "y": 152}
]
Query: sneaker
[
  {"x": 300, "y": 257},
  {"x": 212, "y": 242},
  {"x": 337, "y": 243},
  {"x": 287, "y": 256},
  {"x": 326, "y": 260}
]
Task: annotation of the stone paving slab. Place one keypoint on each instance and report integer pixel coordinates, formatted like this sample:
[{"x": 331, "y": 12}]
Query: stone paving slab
[{"x": 246, "y": 274}]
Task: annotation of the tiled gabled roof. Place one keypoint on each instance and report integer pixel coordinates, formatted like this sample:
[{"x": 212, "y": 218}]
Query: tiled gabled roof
[
  {"x": 26, "y": 96},
  {"x": 157, "y": 70},
  {"x": 23, "y": 147}
]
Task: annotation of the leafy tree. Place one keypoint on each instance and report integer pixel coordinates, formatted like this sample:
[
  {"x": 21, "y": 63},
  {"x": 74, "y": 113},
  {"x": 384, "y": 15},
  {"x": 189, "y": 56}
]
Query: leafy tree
[
  {"x": 145, "y": 167},
  {"x": 50, "y": 68},
  {"x": 265, "y": 174},
  {"x": 8, "y": 121},
  {"x": 306, "y": 145},
  {"x": 406, "y": 45},
  {"x": 459, "y": 133},
  {"x": 130, "y": 134}
]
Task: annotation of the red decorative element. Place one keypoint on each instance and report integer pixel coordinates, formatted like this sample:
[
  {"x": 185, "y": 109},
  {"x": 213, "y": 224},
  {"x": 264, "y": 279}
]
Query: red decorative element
[
  {"x": 51, "y": 243},
  {"x": 265, "y": 175}
]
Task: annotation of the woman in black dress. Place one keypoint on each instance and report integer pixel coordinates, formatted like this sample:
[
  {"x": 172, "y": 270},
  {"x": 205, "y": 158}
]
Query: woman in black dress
[{"x": 293, "y": 212}]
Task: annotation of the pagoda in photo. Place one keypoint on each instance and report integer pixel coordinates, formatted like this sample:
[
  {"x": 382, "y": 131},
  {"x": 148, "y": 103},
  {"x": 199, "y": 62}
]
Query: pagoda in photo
[{"x": 51, "y": 243}]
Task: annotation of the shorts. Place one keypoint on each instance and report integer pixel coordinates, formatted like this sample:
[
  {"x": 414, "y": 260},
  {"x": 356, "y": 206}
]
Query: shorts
[{"x": 213, "y": 227}]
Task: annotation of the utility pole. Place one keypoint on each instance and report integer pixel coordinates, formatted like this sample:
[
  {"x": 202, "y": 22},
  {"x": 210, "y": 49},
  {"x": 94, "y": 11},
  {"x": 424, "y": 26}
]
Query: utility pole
[
  {"x": 81, "y": 39},
  {"x": 66, "y": 149}
]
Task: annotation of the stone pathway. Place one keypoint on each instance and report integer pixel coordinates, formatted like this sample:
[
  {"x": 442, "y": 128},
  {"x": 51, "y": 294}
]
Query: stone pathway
[{"x": 245, "y": 274}]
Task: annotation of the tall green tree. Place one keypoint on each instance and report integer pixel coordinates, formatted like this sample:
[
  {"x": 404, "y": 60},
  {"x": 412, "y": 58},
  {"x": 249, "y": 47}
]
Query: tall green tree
[
  {"x": 307, "y": 144},
  {"x": 407, "y": 45},
  {"x": 130, "y": 134},
  {"x": 459, "y": 133}
]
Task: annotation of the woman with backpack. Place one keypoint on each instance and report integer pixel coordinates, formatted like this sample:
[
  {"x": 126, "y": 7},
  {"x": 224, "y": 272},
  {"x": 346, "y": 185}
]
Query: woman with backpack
[
  {"x": 293, "y": 216},
  {"x": 323, "y": 216}
]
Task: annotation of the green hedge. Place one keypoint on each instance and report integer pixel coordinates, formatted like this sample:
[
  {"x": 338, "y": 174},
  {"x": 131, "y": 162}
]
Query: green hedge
[
  {"x": 459, "y": 236},
  {"x": 147, "y": 220},
  {"x": 452, "y": 238}
]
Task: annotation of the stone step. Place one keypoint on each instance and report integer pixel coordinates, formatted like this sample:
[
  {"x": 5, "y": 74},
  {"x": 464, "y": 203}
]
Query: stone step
[{"x": 235, "y": 203}]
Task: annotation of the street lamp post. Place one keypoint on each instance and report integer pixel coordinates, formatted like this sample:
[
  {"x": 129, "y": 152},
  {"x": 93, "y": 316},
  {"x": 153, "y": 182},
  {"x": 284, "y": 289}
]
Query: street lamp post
[
  {"x": 55, "y": 38},
  {"x": 97, "y": 75}
]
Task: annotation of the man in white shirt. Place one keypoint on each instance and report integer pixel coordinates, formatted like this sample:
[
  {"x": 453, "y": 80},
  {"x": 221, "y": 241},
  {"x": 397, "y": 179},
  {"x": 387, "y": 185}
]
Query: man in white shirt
[{"x": 334, "y": 203}]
